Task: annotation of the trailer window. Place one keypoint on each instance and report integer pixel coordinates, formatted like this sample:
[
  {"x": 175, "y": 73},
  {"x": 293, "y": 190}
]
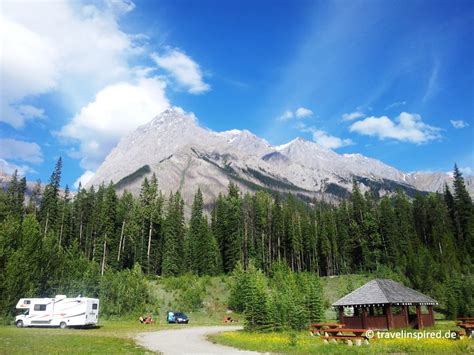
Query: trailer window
[
  {"x": 40, "y": 307},
  {"x": 94, "y": 306}
]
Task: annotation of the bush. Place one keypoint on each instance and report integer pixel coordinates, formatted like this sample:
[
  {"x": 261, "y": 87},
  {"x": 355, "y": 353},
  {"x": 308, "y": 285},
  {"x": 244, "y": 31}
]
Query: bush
[
  {"x": 123, "y": 293},
  {"x": 189, "y": 289},
  {"x": 283, "y": 301}
]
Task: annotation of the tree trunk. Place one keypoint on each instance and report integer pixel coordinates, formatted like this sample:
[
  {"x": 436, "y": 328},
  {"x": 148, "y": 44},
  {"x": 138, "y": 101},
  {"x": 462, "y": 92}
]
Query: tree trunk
[
  {"x": 46, "y": 225},
  {"x": 150, "y": 229},
  {"x": 80, "y": 231},
  {"x": 103, "y": 256},
  {"x": 61, "y": 229},
  {"x": 120, "y": 242}
]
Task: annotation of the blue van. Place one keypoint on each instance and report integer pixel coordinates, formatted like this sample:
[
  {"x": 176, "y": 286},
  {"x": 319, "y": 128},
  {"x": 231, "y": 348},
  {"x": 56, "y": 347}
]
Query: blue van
[{"x": 177, "y": 317}]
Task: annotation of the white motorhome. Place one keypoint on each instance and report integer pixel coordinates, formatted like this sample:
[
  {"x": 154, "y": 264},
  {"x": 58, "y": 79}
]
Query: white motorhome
[{"x": 57, "y": 312}]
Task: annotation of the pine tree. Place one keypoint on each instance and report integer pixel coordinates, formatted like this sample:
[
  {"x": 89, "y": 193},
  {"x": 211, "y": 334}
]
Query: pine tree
[
  {"x": 16, "y": 195},
  {"x": 257, "y": 307},
  {"x": 232, "y": 239},
  {"x": 49, "y": 209},
  {"x": 209, "y": 253},
  {"x": 194, "y": 234},
  {"x": 464, "y": 212},
  {"x": 313, "y": 295},
  {"x": 388, "y": 232},
  {"x": 108, "y": 223},
  {"x": 173, "y": 245}
]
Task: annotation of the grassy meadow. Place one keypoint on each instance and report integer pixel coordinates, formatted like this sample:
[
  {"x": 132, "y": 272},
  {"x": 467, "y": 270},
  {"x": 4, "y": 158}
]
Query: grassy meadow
[
  {"x": 204, "y": 299},
  {"x": 303, "y": 342},
  {"x": 110, "y": 337}
]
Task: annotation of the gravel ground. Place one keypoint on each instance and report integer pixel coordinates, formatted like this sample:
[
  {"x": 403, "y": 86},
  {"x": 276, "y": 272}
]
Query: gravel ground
[{"x": 187, "y": 340}]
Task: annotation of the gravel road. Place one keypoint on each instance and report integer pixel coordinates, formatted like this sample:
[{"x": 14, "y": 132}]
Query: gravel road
[{"x": 186, "y": 340}]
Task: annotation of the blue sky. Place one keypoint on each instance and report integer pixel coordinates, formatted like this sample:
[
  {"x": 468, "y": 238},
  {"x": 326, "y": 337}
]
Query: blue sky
[{"x": 393, "y": 80}]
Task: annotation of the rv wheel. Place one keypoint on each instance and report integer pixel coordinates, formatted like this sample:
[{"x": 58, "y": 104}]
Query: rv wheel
[
  {"x": 19, "y": 324},
  {"x": 62, "y": 325}
]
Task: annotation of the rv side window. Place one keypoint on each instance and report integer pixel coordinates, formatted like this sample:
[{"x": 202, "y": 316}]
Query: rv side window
[
  {"x": 27, "y": 302},
  {"x": 94, "y": 306},
  {"x": 40, "y": 307}
]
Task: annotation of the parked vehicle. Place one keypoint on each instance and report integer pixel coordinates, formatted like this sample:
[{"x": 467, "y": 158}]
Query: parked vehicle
[
  {"x": 177, "y": 317},
  {"x": 57, "y": 312}
]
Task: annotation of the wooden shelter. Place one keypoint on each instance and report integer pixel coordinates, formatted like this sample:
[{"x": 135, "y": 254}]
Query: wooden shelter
[{"x": 385, "y": 304}]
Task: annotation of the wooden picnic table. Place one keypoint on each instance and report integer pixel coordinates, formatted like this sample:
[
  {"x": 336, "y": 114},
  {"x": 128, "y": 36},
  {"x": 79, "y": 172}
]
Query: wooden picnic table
[
  {"x": 320, "y": 327},
  {"x": 349, "y": 334},
  {"x": 356, "y": 332},
  {"x": 466, "y": 319},
  {"x": 468, "y": 327}
]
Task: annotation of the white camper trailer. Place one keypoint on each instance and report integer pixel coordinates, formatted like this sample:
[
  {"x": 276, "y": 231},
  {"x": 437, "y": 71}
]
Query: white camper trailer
[{"x": 57, "y": 312}]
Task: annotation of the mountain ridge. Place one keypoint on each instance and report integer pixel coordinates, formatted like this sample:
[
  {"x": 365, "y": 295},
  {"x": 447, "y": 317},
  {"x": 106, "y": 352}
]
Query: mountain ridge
[{"x": 185, "y": 155}]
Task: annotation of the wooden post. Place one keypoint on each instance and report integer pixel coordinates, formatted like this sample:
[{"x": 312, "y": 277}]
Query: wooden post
[
  {"x": 419, "y": 318},
  {"x": 389, "y": 315},
  {"x": 341, "y": 314},
  {"x": 405, "y": 313},
  {"x": 364, "y": 317},
  {"x": 430, "y": 312}
]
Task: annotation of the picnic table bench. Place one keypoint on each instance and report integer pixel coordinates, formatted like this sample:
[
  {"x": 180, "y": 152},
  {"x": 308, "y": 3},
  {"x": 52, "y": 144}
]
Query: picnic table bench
[
  {"x": 468, "y": 327},
  {"x": 466, "y": 319},
  {"x": 349, "y": 334},
  {"x": 459, "y": 333},
  {"x": 355, "y": 332},
  {"x": 319, "y": 327}
]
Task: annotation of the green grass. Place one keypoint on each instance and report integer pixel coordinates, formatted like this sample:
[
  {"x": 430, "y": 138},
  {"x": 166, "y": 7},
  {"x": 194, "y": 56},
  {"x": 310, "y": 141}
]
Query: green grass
[
  {"x": 284, "y": 342},
  {"x": 111, "y": 337}
]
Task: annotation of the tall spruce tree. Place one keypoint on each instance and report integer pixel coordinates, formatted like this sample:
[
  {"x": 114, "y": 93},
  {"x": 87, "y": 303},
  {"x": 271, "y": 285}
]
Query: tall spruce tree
[
  {"x": 49, "y": 209},
  {"x": 464, "y": 212},
  {"x": 232, "y": 239},
  {"x": 173, "y": 261}
]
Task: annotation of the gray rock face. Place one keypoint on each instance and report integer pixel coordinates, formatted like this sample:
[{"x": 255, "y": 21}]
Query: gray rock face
[{"x": 184, "y": 155}]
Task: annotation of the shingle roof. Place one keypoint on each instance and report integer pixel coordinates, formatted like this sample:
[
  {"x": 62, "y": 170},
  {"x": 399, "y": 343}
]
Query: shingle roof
[{"x": 383, "y": 291}]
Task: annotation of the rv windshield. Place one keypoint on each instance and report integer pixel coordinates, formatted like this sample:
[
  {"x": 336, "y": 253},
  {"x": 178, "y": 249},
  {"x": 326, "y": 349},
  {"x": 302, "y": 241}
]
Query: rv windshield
[{"x": 25, "y": 313}]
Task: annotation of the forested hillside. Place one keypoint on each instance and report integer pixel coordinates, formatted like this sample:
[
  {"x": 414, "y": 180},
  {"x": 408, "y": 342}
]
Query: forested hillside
[{"x": 91, "y": 243}]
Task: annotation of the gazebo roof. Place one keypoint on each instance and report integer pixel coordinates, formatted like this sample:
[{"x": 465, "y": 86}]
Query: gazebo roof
[{"x": 384, "y": 291}]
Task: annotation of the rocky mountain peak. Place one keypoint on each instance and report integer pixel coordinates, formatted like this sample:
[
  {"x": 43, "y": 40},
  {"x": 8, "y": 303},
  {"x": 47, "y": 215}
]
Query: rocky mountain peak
[{"x": 184, "y": 156}]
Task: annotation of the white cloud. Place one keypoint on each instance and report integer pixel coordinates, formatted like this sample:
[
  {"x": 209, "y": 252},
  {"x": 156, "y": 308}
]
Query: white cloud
[
  {"x": 83, "y": 179},
  {"x": 327, "y": 141},
  {"x": 183, "y": 69},
  {"x": 303, "y": 112},
  {"x": 352, "y": 116},
  {"x": 466, "y": 170},
  {"x": 9, "y": 168},
  {"x": 396, "y": 104},
  {"x": 407, "y": 127},
  {"x": 299, "y": 113},
  {"x": 324, "y": 139},
  {"x": 54, "y": 45},
  {"x": 116, "y": 110},
  {"x": 20, "y": 150},
  {"x": 459, "y": 124},
  {"x": 286, "y": 116}
]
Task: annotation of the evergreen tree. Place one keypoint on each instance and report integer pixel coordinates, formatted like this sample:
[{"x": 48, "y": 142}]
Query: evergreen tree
[
  {"x": 49, "y": 209},
  {"x": 232, "y": 239},
  {"x": 464, "y": 212},
  {"x": 313, "y": 297},
  {"x": 16, "y": 195},
  {"x": 173, "y": 245}
]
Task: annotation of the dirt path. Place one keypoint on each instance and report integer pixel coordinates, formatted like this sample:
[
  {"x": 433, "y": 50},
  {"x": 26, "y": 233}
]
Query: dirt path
[{"x": 187, "y": 341}]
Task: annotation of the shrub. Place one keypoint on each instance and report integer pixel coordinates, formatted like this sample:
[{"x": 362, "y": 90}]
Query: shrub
[{"x": 124, "y": 292}]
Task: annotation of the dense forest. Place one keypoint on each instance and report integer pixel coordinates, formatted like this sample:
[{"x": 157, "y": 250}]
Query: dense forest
[{"x": 58, "y": 243}]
